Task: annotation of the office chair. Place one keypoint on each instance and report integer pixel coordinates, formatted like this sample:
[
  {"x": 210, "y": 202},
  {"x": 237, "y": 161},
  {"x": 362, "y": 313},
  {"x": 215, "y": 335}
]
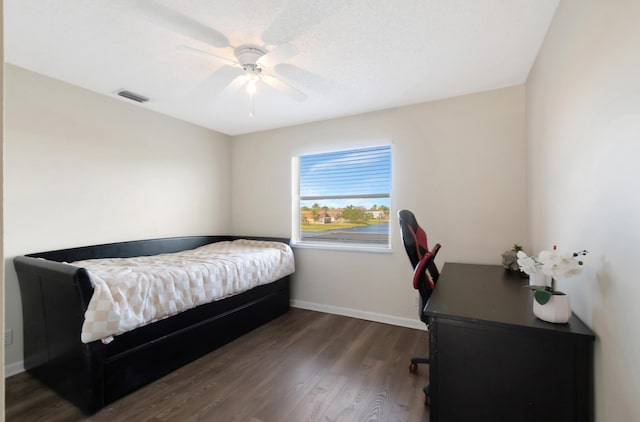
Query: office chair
[{"x": 425, "y": 273}]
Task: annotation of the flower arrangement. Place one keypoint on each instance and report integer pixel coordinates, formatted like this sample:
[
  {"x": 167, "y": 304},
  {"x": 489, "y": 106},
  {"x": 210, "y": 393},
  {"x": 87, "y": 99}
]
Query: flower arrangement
[
  {"x": 510, "y": 258},
  {"x": 551, "y": 263}
]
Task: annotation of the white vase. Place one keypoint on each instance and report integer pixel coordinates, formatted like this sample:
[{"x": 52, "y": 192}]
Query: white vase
[
  {"x": 539, "y": 280},
  {"x": 556, "y": 310}
]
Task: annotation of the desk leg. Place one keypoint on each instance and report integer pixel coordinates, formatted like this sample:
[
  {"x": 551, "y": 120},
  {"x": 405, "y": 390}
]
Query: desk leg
[{"x": 433, "y": 369}]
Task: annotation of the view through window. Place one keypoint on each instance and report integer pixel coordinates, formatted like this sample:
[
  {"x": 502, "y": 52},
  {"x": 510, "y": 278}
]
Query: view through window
[{"x": 345, "y": 197}]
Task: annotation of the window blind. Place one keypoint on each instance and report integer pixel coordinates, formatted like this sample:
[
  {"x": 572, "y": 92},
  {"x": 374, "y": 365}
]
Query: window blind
[{"x": 363, "y": 173}]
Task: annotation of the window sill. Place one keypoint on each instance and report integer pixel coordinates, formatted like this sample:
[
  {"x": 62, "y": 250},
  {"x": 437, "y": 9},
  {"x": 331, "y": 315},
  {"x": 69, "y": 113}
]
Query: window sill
[{"x": 335, "y": 247}]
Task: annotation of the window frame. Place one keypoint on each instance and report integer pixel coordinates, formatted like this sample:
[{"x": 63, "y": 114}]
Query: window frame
[{"x": 298, "y": 242}]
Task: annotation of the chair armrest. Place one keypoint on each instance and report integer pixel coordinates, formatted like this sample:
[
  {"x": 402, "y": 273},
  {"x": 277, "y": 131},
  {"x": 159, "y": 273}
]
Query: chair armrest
[{"x": 424, "y": 267}]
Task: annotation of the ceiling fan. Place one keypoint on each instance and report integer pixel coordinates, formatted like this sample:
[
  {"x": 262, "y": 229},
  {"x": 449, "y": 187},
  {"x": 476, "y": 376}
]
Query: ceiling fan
[{"x": 254, "y": 64}]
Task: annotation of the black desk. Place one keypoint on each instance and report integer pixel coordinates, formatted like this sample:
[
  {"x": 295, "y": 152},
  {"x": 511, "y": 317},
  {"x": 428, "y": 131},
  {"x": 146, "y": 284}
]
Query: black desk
[{"x": 493, "y": 360}]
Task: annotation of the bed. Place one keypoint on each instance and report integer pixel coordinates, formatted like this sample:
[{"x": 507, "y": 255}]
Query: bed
[{"x": 92, "y": 367}]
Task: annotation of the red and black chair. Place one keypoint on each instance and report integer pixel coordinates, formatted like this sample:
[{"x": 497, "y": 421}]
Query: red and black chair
[{"x": 425, "y": 272}]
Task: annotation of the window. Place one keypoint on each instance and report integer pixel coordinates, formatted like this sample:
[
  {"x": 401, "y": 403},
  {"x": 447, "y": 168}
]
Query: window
[{"x": 343, "y": 198}]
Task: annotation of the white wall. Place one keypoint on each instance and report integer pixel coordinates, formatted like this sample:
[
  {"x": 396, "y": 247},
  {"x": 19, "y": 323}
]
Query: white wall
[
  {"x": 583, "y": 120},
  {"x": 2, "y": 358},
  {"x": 458, "y": 164},
  {"x": 83, "y": 168}
]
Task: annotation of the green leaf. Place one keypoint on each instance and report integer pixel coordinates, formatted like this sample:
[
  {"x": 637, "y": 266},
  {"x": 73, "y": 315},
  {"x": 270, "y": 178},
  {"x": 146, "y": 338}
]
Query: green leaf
[{"x": 542, "y": 296}]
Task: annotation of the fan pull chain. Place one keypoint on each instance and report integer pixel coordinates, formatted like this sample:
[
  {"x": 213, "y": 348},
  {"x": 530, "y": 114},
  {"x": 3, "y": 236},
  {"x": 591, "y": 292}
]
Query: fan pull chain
[{"x": 252, "y": 105}]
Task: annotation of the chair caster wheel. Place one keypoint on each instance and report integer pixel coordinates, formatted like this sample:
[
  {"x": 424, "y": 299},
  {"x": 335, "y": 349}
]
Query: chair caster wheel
[
  {"x": 426, "y": 399},
  {"x": 413, "y": 368}
]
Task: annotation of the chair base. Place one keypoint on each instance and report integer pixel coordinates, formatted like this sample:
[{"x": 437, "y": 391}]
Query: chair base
[
  {"x": 420, "y": 359},
  {"x": 413, "y": 368},
  {"x": 426, "y": 390}
]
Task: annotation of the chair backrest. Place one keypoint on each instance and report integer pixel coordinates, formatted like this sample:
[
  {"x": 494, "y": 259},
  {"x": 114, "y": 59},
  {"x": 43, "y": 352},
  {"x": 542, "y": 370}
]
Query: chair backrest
[
  {"x": 413, "y": 237},
  {"x": 425, "y": 274}
]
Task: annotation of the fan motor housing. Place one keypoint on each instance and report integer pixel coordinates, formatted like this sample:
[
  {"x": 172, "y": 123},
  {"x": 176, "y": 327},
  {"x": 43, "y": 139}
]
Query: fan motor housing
[{"x": 249, "y": 55}]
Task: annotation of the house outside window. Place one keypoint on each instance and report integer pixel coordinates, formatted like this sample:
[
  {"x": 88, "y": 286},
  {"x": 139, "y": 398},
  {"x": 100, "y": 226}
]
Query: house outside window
[{"x": 342, "y": 199}]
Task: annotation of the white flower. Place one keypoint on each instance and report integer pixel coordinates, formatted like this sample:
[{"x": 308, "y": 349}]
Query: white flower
[
  {"x": 552, "y": 263},
  {"x": 557, "y": 265},
  {"x": 527, "y": 264}
]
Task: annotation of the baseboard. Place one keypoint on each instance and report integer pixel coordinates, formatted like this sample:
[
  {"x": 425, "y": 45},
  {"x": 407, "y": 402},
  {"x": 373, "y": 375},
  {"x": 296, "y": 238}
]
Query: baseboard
[
  {"x": 13, "y": 368},
  {"x": 356, "y": 313}
]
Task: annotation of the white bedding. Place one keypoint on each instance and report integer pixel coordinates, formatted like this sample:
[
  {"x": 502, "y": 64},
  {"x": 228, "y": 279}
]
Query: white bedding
[{"x": 132, "y": 292}]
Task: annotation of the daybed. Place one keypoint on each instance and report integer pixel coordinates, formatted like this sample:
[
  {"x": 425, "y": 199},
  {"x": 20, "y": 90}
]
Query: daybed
[{"x": 55, "y": 296}]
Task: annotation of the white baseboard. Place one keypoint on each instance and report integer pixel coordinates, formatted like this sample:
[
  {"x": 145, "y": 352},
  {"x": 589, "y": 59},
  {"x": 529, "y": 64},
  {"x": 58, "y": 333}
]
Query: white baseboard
[
  {"x": 356, "y": 313},
  {"x": 13, "y": 368}
]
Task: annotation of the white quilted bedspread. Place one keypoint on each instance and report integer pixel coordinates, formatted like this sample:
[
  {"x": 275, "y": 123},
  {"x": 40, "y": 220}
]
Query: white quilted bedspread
[{"x": 132, "y": 292}]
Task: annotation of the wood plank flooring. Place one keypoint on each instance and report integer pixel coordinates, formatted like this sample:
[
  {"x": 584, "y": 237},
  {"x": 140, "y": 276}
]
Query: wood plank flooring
[{"x": 303, "y": 366}]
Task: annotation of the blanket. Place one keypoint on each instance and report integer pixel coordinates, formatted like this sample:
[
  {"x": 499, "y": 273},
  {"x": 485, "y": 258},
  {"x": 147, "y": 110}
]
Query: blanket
[{"x": 132, "y": 292}]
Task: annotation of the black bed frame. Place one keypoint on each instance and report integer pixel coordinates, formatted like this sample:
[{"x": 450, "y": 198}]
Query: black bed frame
[{"x": 55, "y": 296}]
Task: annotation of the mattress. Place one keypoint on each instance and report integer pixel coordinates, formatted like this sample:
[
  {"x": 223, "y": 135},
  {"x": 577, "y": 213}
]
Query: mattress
[{"x": 133, "y": 292}]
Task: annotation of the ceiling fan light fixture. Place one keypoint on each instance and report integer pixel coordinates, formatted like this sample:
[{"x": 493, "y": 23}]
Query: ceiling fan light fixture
[
  {"x": 251, "y": 86},
  {"x": 252, "y": 73}
]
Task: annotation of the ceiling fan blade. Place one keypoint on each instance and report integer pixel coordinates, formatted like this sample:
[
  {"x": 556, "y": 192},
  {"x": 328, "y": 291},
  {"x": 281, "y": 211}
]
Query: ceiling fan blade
[
  {"x": 239, "y": 82},
  {"x": 281, "y": 85},
  {"x": 216, "y": 83},
  {"x": 311, "y": 81},
  {"x": 297, "y": 17},
  {"x": 208, "y": 55},
  {"x": 181, "y": 23},
  {"x": 278, "y": 55}
]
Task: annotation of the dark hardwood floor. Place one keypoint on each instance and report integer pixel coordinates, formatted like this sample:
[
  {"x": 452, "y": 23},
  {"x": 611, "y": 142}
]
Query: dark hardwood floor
[{"x": 304, "y": 366}]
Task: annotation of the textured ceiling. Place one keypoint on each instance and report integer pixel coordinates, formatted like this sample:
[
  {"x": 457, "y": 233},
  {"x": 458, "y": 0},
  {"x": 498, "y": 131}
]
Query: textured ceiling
[{"x": 346, "y": 56}]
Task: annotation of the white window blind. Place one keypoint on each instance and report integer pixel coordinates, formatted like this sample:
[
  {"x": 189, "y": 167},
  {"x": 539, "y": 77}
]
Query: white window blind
[{"x": 344, "y": 197}]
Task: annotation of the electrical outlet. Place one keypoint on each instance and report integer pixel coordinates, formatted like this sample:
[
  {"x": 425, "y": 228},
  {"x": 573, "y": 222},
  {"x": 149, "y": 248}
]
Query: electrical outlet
[
  {"x": 8, "y": 337},
  {"x": 416, "y": 301}
]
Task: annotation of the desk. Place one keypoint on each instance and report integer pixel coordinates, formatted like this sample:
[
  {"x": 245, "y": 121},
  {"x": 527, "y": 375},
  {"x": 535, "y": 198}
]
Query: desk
[{"x": 493, "y": 360}]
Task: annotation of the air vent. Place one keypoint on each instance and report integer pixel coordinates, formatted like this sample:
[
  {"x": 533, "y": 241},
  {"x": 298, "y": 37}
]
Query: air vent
[{"x": 133, "y": 96}]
